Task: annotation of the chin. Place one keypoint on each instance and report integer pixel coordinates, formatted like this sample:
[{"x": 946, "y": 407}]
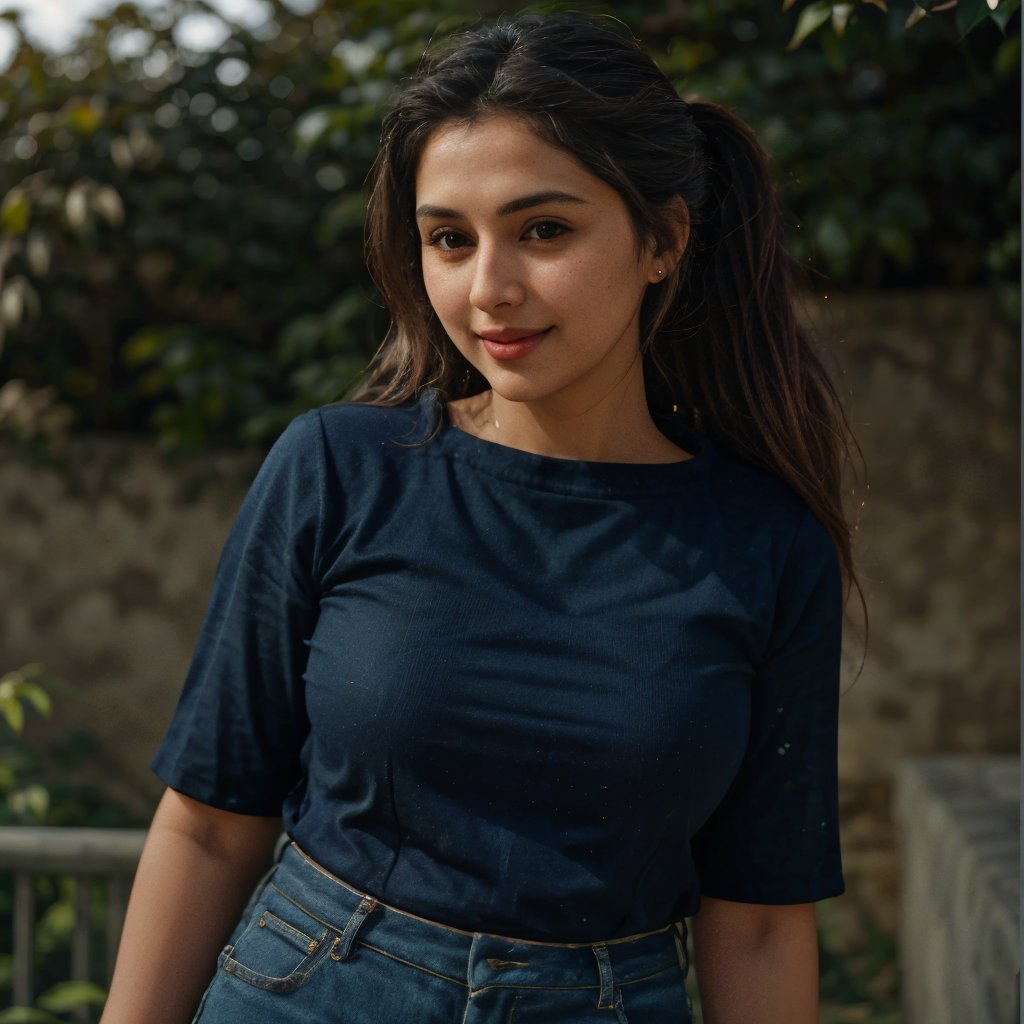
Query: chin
[{"x": 520, "y": 391}]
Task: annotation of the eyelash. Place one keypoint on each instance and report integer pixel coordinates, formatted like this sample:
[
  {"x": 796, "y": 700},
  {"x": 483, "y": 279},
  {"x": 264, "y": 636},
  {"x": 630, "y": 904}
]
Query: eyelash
[{"x": 436, "y": 236}]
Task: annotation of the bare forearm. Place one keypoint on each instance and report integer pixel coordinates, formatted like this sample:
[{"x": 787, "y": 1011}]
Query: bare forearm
[
  {"x": 756, "y": 964},
  {"x": 196, "y": 873}
]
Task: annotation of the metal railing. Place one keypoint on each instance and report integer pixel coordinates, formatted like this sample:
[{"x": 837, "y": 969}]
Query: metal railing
[{"x": 90, "y": 857}]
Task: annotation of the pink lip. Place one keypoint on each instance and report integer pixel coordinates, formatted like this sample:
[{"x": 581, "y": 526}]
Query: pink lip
[
  {"x": 507, "y": 334},
  {"x": 512, "y": 344}
]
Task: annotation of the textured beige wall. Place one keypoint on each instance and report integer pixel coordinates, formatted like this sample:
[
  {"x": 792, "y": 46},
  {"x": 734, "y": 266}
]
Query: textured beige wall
[
  {"x": 932, "y": 384},
  {"x": 106, "y": 579}
]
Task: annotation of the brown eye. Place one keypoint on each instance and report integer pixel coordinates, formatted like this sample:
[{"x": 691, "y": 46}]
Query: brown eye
[
  {"x": 545, "y": 230},
  {"x": 448, "y": 240}
]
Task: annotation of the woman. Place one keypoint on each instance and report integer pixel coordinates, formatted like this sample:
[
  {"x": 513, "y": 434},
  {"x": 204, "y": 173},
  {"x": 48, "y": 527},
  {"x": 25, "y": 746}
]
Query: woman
[{"x": 539, "y": 638}]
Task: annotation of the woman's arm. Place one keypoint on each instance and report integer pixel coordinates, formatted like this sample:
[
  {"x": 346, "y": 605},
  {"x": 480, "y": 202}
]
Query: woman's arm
[
  {"x": 197, "y": 871},
  {"x": 756, "y": 964}
]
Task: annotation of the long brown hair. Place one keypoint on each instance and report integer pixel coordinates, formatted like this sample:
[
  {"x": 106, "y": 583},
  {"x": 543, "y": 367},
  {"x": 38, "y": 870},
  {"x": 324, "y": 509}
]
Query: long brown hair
[{"x": 722, "y": 347}]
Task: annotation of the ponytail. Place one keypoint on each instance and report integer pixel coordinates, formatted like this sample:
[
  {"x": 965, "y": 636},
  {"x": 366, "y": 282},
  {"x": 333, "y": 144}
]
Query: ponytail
[{"x": 750, "y": 379}]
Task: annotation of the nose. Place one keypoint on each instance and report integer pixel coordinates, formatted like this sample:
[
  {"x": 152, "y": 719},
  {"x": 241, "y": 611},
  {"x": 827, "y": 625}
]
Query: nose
[{"x": 497, "y": 278}]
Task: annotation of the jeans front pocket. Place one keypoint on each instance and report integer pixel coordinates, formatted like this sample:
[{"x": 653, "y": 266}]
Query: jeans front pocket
[{"x": 282, "y": 946}]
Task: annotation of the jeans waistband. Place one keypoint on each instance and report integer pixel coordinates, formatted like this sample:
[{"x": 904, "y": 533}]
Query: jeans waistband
[{"x": 478, "y": 960}]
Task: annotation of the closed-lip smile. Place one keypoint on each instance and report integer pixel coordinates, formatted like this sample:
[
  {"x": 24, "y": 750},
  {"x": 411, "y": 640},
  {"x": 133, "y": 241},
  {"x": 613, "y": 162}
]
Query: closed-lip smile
[
  {"x": 512, "y": 343},
  {"x": 510, "y": 334}
]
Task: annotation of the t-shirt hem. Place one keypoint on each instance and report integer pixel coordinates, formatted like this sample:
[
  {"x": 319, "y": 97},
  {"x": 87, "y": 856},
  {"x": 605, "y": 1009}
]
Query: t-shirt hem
[
  {"x": 213, "y": 796},
  {"x": 778, "y": 897}
]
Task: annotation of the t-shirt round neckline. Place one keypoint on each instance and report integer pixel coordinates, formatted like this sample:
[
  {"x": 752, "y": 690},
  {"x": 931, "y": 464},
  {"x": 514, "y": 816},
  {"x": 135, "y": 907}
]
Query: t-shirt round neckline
[{"x": 568, "y": 476}]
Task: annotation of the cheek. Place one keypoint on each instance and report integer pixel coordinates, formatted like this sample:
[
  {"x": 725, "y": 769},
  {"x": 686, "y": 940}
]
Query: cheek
[
  {"x": 441, "y": 289},
  {"x": 590, "y": 284},
  {"x": 430, "y": 284}
]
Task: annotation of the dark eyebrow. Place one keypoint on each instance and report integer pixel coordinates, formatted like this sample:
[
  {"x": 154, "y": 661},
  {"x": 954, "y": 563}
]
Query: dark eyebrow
[{"x": 513, "y": 206}]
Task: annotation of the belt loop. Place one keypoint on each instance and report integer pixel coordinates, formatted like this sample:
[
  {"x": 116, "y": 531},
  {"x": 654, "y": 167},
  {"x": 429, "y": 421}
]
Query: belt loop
[
  {"x": 681, "y": 933},
  {"x": 343, "y": 943},
  {"x": 606, "y": 998}
]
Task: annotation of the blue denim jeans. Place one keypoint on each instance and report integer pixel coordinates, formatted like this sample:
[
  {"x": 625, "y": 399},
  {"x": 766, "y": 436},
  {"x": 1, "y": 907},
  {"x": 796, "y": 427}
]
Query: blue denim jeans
[{"x": 313, "y": 949}]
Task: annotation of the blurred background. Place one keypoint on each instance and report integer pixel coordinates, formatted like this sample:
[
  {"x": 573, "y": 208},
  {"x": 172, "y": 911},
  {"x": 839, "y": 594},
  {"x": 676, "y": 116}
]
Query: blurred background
[{"x": 181, "y": 206}]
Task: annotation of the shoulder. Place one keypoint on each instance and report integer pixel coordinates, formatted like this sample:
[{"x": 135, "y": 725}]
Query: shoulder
[
  {"x": 348, "y": 433},
  {"x": 345, "y": 440},
  {"x": 779, "y": 550},
  {"x": 370, "y": 454},
  {"x": 754, "y": 500},
  {"x": 770, "y": 532},
  {"x": 344, "y": 422}
]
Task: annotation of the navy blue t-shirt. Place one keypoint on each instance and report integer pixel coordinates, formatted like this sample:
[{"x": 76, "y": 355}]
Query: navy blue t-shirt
[{"x": 519, "y": 694}]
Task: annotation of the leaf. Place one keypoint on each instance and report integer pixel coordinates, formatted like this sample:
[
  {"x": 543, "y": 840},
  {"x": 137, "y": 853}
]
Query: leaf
[
  {"x": 834, "y": 240},
  {"x": 144, "y": 346},
  {"x": 38, "y": 253},
  {"x": 36, "y": 696},
  {"x": 811, "y": 19},
  {"x": 68, "y": 995},
  {"x": 896, "y": 243},
  {"x": 76, "y": 207},
  {"x": 13, "y": 712},
  {"x": 12, "y": 305},
  {"x": 904, "y": 209},
  {"x": 33, "y": 801},
  {"x": 840, "y": 16},
  {"x": 300, "y": 339},
  {"x": 14, "y": 212},
  {"x": 970, "y": 14},
  {"x": 1007, "y": 58},
  {"x": 107, "y": 203},
  {"x": 82, "y": 117},
  {"x": 28, "y": 1015},
  {"x": 56, "y": 925},
  {"x": 1002, "y": 15}
]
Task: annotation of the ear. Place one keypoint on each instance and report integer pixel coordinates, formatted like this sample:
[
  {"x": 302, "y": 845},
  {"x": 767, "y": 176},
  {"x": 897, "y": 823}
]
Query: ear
[{"x": 673, "y": 236}]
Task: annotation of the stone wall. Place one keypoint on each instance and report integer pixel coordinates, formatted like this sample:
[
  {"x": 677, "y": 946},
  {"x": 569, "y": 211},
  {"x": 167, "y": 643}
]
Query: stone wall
[
  {"x": 105, "y": 577},
  {"x": 958, "y": 820},
  {"x": 932, "y": 384}
]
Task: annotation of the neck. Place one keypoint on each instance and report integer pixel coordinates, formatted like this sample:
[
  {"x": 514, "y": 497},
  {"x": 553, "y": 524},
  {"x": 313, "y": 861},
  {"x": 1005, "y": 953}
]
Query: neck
[{"x": 618, "y": 428}]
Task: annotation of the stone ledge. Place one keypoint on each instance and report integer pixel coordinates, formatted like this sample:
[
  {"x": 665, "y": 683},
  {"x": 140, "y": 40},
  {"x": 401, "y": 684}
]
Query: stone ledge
[{"x": 958, "y": 820}]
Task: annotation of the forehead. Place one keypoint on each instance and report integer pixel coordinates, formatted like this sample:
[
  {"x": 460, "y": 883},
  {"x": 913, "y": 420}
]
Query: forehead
[{"x": 497, "y": 155}]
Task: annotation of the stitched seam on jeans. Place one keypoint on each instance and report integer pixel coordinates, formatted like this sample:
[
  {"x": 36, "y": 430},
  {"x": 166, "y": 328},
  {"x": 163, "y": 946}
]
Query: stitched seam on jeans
[
  {"x": 410, "y": 963},
  {"x": 270, "y": 983},
  {"x": 289, "y": 932},
  {"x": 295, "y": 903},
  {"x": 620, "y": 1009},
  {"x": 646, "y": 977},
  {"x": 542, "y": 988},
  {"x": 514, "y": 1012},
  {"x": 577, "y": 988}
]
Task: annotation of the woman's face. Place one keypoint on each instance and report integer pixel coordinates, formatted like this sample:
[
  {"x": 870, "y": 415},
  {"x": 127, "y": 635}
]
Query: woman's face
[{"x": 531, "y": 263}]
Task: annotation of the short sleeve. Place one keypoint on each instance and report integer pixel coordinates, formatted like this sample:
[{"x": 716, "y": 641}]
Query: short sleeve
[
  {"x": 774, "y": 838},
  {"x": 235, "y": 739}
]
